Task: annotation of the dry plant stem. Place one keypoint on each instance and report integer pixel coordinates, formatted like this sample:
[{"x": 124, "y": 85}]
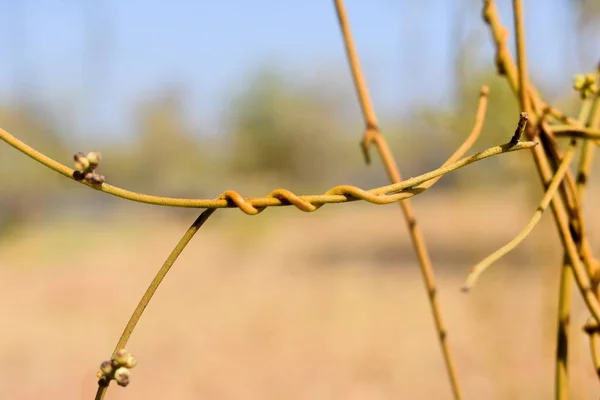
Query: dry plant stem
[
  {"x": 591, "y": 328},
  {"x": 561, "y": 379},
  {"x": 594, "y": 338},
  {"x": 561, "y": 376},
  {"x": 582, "y": 178},
  {"x": 521, "y": 54},
  {"x": 160, "y": 275},
  {"x": 506, "y": 67},
  {"x": 542, "y": 164},
  {"x": 560, "y": 116},
  {"x": 523, "y": 117},
  {"x": 462, "y": 149},
  {"x": 471, "y": 138},
  {"x": 279, "y": 197},
  {"x": 373, "y": 134},
  {"x": 554, "y": 155},
  {"x": 504, "y": 61},
  {"x": 561, "y": 218},
  {"x": 588, "y": 115},
  {"x": 550, "y": 192},
  {"x": 578, "y": 132},
  {"x": 568, "y": 192}
]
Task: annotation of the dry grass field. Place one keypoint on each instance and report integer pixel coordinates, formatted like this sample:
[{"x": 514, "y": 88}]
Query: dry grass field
[{"x": 288, "y": 305}]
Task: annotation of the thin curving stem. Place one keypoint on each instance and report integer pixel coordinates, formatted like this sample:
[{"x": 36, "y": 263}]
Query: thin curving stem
[{"x": 160, "y": 275}]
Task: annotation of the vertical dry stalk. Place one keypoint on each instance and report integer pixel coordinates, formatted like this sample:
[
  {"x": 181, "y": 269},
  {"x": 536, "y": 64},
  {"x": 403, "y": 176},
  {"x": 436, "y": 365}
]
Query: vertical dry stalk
[
  {"x": 521, "y": 55},
  {"x": 561, "y": 376},
  {"x": 373, "y": 135},
  {"x": 561, "y": 379},
  {"x": 566, "y": 208},
  {"x": 543, "y": 165}
]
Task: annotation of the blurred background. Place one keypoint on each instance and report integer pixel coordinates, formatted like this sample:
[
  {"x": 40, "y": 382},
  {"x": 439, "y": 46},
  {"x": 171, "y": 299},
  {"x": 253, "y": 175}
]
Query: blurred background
[{"x": 189, "y": 99}]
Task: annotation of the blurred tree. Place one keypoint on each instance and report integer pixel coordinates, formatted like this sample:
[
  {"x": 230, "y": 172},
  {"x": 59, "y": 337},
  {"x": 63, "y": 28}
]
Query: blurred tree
[
  {"x": 22, "y": 181},
  {"x": 169, "y": 158},
  {"x": 587, "y": 14},
  {"x": 283, "y": 130}
]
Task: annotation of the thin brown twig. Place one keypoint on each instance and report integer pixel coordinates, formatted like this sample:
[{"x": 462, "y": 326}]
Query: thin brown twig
[{"x": 373, "y": 135}]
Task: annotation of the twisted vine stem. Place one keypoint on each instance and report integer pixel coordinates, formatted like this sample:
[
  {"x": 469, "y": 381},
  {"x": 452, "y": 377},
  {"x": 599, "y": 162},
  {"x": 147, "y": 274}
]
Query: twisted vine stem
[{"x": 279, "y": 197}]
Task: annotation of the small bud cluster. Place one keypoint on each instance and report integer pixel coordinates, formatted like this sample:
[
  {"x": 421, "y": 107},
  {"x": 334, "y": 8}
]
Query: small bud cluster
[
  {"x": 85, "y": 167},
  {"x": 117, "y": 368},
  {"x": 586, "y": 85}
]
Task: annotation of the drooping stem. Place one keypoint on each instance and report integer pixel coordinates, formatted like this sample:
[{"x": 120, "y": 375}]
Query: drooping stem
[
  {"x": 160, "y": 275},
  {"x": 537, "y": 215}
]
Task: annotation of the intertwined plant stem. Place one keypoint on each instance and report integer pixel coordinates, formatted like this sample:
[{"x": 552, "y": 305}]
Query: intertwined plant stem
[
  {"x": 566, "y": 208},
  {"x": 539, "y": 122}
]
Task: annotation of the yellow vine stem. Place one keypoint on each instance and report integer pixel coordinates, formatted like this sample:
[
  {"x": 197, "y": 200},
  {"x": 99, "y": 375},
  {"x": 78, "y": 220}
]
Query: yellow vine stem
[
  {"x": 521, "y": 55},
  {"x": 507, "y": 67},
  {"x": 462, "y": 149},
  {"x": 561, "y": 375},
  {"x": 578, "y": 132},
  {"x": 373, "y": 135},
  {"x": 279, "y": 197},
  {"x": 592, "y": 329},
  {"x": 489, "y": 260},
  {"x": 594, "y": 339},
  {"x": 160, "y": 275},
  {"x": 582, "y": 178},
  {"x": 561, "y": 370},
  {"x": 504, "y": 62},
  {"x": 561, "y": 216}
]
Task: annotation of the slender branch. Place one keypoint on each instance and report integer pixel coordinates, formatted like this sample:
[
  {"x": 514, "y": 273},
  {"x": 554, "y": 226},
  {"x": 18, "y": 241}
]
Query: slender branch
[
  {"x": 578, "y": 132},
  {"x": 373, "y": 135},
  {"x": 462, "y": 149},
  {"x": 592, "y": 329},
  {"x": 595, "y": 351},
  {"x": 471, "y": 138},
  {"x": 561, "y": 379},
  {"x": 537, "y": 215},
  {"x": 523, "y": 118},
  {"x": 521, "y": 54},
  {"x": 559, "y": 210},
  {"x": 160, "y": 275}
]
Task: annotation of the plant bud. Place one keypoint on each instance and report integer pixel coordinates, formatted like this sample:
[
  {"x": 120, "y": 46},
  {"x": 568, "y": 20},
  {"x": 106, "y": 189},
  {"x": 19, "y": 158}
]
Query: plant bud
[
  {"x": 590, "y": 78},
  {"x": 122, "y": 376},
  {"x": 97, "y": 179},
  {"x": 94, "y": 158},
  {"x": 579, "y": 82},
  {"x": 81, "y": 163},
  {"x": 106, "y": 368},
  {"x": 131, "y": 362},
  {"x": 121, "y": 356}
]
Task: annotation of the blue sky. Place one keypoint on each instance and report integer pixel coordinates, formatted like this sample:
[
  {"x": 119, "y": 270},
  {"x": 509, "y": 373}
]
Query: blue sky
[{"x": 91, "y": 60}]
